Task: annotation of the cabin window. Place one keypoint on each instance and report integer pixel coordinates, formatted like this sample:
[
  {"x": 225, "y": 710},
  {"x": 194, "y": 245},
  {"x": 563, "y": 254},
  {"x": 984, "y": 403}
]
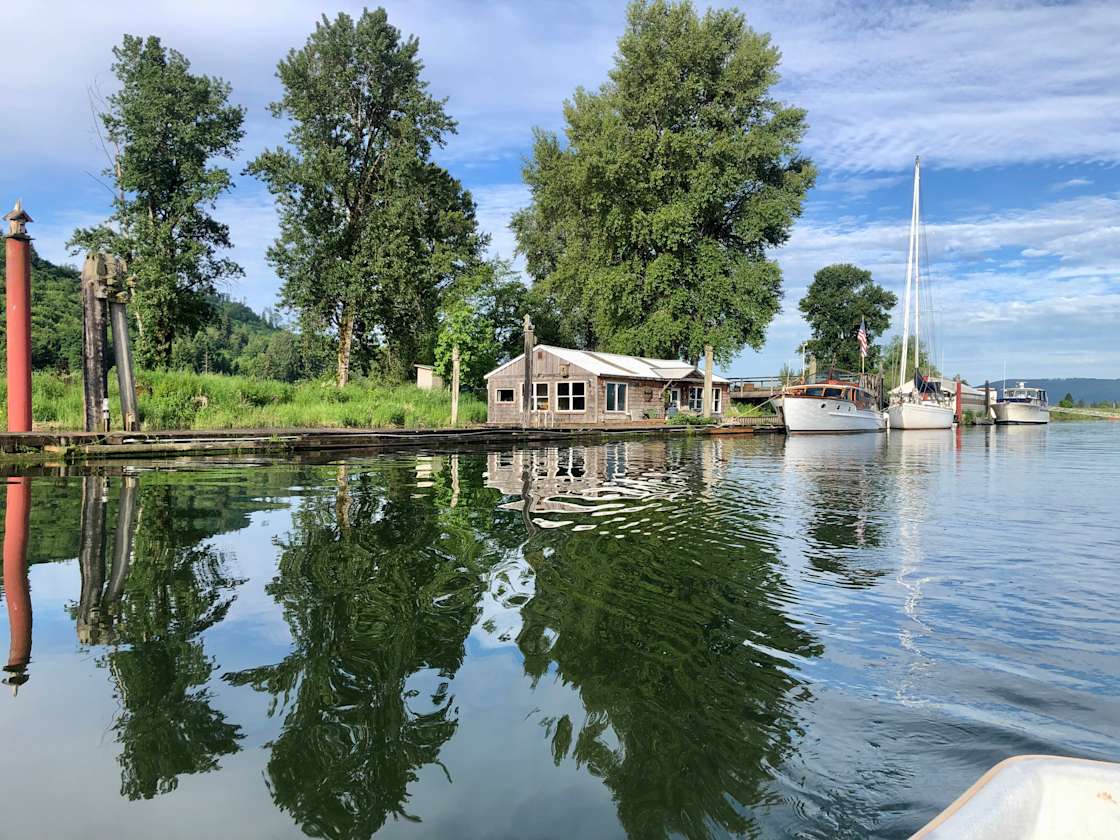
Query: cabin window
[
  {"x": 616, "y": 396},
  {"x": 674, "y": 397},
  {"x": 834, "y": 393},
  {"x": 540, "y": 396},
  {"x": 695, "y": 398},
  {"x": 504, "y": 395},
  {"x": 813, "y": 392},
  {"x": 571, "y": 396}
]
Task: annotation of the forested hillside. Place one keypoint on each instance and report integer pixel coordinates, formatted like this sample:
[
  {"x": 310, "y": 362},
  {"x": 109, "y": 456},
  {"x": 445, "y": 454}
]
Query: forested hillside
[{"x": 235, "y": 340}]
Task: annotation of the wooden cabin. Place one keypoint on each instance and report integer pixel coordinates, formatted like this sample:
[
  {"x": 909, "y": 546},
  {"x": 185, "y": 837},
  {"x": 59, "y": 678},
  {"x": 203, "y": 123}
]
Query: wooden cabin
[{"x": 585, "y": 388}]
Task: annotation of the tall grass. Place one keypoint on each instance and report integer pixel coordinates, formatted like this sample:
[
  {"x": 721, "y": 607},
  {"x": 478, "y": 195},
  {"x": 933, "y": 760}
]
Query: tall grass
[{"x": 185, "y": 400}]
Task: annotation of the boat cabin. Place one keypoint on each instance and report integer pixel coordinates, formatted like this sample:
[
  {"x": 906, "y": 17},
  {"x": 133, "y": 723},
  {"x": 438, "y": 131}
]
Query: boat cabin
[
  {"x": 833, "y": 390},
  {"x": 1023, "y": 394}
]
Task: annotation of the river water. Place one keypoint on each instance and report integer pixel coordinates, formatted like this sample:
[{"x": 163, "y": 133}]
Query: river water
[{"x": 813, "y": 637}]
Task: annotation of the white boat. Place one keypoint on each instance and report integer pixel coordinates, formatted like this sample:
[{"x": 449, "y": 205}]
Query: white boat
[
  {"x": 980, "y": 401},
  {"x": 1022, "y": 405},
  {"x": 924, "y": 406},
  {"x": 830, "y": 406},
  {"x": 1035, "y": 797}
]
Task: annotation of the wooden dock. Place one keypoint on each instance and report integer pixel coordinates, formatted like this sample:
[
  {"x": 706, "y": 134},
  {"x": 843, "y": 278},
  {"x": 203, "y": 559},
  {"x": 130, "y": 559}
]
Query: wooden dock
[{"x": 80, "y": 447}]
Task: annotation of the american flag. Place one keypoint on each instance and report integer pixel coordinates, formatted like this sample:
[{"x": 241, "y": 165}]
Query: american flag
[{"x": 861, "y": 337}]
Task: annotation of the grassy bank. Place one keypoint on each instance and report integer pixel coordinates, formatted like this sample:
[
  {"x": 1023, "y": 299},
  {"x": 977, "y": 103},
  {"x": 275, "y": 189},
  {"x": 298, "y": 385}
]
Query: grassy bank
[{"x": 184, "y": 400}]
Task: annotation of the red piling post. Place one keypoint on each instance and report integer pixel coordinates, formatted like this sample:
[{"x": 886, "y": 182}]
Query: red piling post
[
  {"x": 960, "y": 408},
  {"x": 17, "y": 592},
  {"x": 18, "y": 290}
]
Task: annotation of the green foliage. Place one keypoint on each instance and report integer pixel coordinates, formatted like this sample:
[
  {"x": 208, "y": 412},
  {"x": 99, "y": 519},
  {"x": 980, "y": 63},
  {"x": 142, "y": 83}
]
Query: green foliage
[
  {"x": 685, "y": 419},
  {"x": 839, "y": 297},
  {"x": 164, "y": 125},
  {"x": 648, "y": 230},
  {"x": 893, "y": 354},
  {"x": 1067, "y": 400},
  {"x": 56, "y": 316},
  {"x": 188, "y": 400},
  {"x": 743, "y": 409},
  {"x": 463, "y": 327},
  {"x": 371, "y": 231}
]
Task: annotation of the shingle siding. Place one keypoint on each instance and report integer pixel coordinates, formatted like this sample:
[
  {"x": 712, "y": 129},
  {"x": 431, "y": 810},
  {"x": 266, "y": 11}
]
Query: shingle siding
[{"x": 643, "y": 395}]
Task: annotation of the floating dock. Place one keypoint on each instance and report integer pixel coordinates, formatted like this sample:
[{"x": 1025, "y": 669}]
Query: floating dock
[{"x": 77, "y": 447}]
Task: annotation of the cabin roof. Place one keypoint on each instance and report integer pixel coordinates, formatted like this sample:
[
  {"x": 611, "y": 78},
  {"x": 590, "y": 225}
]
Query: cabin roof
[{"x": 616, "y": 364}]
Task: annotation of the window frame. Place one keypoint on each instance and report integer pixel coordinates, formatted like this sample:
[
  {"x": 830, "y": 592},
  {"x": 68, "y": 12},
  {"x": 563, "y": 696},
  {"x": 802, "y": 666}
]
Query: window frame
[
  {"x": 498, "y": 396},
  {"x": 717, "y": 400},
  {"x": 571, "y": 397},
  {"x": 534, "y": 406},
  {"x": 696, "y": 404},
  {"x": 625, "y": 397}
]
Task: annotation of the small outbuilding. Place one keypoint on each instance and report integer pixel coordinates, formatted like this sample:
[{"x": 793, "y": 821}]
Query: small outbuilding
[
  {"x": 582, "y": 388},
  {"x": 427, "y": 379}
]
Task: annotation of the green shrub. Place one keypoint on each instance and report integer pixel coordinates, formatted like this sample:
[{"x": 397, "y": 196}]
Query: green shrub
[{"x": 693, "y": 420}]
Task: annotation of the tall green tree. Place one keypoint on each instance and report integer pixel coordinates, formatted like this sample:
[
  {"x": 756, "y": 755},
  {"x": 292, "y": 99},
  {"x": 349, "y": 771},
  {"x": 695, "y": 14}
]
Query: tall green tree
[
  {"x": 162, "y": 129},
  {"x": 840, "y": 297},
  {"x": 371, "y": 231},
  {"x": 649, "y": 228}
]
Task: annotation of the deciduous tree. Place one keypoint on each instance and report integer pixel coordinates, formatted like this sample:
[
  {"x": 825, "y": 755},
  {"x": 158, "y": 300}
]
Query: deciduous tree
[
  {"x": 649, "y": 227},
  {"x": 840, "y": 297},
  {"x": 162, "y": 129},
  {"x": 371, "y": 231}
]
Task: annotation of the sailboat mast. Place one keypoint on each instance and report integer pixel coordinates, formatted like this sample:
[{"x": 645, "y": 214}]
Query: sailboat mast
[
  {"x": 917, "y": 263},
  {"x": 909, "y": 280}
]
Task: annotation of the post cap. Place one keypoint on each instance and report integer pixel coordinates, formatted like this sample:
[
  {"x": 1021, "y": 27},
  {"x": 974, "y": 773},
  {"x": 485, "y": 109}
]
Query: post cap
[{"x": 17, "y": 219}]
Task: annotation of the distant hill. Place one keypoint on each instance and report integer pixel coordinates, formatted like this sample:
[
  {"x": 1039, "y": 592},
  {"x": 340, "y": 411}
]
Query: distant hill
[{"x": 1082, "y": 390}]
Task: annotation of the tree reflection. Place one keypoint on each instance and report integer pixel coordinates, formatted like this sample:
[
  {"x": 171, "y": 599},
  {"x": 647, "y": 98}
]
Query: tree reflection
[
  {"x": 682, "y": 657},
  {"x": 164, "y": 590},
  {"x": 377, "y": 600}
]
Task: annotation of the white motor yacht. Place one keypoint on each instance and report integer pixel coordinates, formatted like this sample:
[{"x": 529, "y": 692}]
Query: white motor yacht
[{"x": 1022, "y": 405}]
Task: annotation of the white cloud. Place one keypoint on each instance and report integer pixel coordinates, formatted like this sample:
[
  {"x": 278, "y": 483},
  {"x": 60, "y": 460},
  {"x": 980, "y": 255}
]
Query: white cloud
[
  {"x": 963, "y": 84},
  {"x": 1062, "y": 306},
  {"x": 1072, "y": 183},
  {"x": 496, "y": 205}
]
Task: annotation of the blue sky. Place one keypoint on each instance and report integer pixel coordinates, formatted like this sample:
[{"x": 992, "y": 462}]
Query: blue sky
[{"x": 1014, "y": 108}]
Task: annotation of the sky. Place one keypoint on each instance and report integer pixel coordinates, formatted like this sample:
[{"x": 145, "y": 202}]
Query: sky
[{"x": 1014, "y": 109}]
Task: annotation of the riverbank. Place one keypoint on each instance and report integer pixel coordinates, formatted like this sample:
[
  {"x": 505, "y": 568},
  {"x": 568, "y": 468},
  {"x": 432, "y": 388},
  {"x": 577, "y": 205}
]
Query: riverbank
[{"x": 187, "y": 401}]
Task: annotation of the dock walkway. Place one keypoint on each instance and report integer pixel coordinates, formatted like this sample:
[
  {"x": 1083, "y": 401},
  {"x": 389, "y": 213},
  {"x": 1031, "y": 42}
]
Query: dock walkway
[{"x": 71, "y": 447}]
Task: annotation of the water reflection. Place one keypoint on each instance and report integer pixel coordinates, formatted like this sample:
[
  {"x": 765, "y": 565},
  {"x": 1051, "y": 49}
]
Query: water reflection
[
  {"x": 682, "y": 656},
  {"x": 17, "y": 592},
  {"x": 379, "y": 602},
  {"x": 839, "y": 493}
]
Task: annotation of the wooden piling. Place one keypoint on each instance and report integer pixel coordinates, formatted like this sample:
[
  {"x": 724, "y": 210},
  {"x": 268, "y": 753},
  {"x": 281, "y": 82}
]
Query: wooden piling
[
  {"x": 708, "y": 396},
  {"x": 527, "y": 388},
  {"x": 95, "y": 389},
  {"x": 455, "y": 385}
]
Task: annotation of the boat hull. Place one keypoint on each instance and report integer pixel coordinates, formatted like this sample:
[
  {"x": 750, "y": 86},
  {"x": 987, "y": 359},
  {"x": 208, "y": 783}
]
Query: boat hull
[
  {"x": 813, "y": 415},
  {"x": 920, "y": 415},
  {"x": 1021, "y": 413}
]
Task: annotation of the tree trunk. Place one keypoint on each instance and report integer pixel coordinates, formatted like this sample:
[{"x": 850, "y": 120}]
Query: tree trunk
[{"x": 345, "y": 339}]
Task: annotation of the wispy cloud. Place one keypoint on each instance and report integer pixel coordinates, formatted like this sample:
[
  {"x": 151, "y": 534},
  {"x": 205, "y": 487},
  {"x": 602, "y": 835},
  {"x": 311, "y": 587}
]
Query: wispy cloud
[{"x": 1072, "y": 183}]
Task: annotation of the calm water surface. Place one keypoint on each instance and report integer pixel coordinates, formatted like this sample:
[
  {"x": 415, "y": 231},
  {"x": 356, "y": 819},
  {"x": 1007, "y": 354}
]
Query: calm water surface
[{"x": 814, "y": 637}]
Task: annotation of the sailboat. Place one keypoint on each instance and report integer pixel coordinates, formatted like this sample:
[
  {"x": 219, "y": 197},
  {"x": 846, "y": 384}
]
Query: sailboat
[{"x": 916, "y": 403}]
